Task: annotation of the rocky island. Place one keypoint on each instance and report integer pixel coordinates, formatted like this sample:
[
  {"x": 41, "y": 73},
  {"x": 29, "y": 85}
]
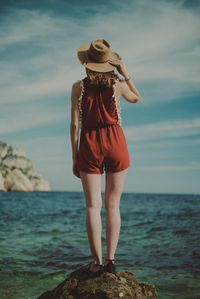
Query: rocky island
[
  {"x": 107, "y": 286},
  {"x": 17, "y": 172}
]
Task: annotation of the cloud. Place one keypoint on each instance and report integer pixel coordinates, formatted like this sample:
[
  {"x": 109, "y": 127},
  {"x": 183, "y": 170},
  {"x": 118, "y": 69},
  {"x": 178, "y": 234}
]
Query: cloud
[
  {"x": 171, "y": 168},
  {"x": 162, "y": 130},
  {"x": 147, "y": 145},
  {"x": 24, "y": 119},
  {"x": 35, "y": 75},
  {"x": 159, "y": 36},
  {"x": 24, "y": 25},
  {"x": 55, "y": 83}
]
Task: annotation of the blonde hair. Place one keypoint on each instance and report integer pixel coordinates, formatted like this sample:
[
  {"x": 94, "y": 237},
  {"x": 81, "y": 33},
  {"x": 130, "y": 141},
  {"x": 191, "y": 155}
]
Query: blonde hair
[{"x": 101, "y": 78}]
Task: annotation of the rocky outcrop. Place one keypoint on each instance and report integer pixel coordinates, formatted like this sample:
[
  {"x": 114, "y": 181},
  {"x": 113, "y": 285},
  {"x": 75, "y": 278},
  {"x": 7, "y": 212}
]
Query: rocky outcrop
[
  {"x": 17, "y": 172},
  {"x": 123, "y": 285}
]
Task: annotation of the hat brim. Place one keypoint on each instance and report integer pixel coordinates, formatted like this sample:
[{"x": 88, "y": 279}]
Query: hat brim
[{"x": 82, "y": 54}]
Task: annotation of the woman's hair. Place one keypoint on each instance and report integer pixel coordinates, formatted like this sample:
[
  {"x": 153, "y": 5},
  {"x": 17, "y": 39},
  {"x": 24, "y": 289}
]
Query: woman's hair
[{"x": 100, "y": 78}]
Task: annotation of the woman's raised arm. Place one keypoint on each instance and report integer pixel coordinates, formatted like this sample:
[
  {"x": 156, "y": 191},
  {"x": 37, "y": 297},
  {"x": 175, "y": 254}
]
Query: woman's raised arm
[{"x": 127, "y": 88}]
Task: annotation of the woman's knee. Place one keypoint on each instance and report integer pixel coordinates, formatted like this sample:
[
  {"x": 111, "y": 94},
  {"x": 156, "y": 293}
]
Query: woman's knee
[
  {"x": 94, "y": 202},
  {"x": 94, "y": 206},
  {"x": 112, "y": 201}
]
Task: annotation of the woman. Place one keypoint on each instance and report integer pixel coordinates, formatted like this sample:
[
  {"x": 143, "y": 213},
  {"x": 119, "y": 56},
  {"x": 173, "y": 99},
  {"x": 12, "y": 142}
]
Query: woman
[{"x": 95, "y": 108}]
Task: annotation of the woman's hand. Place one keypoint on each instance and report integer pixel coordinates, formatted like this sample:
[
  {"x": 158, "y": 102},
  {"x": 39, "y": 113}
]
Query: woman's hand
[
  {"x": 75, "y": 169},
  {"x": 121, "y": 68}
]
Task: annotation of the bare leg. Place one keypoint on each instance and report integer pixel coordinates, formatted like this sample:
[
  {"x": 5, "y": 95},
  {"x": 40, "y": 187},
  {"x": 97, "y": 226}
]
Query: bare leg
[
  {"x": 92, "y": 189},
  {"x": 114, "y": 187}
]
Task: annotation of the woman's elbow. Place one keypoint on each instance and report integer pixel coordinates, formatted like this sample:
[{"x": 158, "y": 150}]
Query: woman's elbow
[
  {"x": 135, "y": 99},
  {"x": 132, "y": 97}
]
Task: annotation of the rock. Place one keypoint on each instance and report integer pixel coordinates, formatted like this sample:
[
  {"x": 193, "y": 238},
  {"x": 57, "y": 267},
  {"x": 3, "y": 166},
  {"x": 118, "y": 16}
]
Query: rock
[
  {"x": 107, "y": 286},
  {"x": 17, "y": 181},
  {"x": 6, "y": 150},
  {"x": 2, "y": 182},
  {"x": 33, "y": 174},
  {"x": 40, "y": 184},
  {"x": 13, "y": 161},
  {"x": 17, "y": 172}
]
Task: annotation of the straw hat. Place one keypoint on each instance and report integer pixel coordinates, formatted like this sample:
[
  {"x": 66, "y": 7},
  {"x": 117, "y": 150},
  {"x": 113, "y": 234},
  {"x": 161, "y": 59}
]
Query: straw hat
[{"x": 96, "y": 55}]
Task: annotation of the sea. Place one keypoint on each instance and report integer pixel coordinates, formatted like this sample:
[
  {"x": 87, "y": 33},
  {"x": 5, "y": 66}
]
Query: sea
[{"x": 43, "y": 238}]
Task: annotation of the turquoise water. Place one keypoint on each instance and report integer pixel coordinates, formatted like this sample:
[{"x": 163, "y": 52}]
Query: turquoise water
[{"x": 43, "y": 238}]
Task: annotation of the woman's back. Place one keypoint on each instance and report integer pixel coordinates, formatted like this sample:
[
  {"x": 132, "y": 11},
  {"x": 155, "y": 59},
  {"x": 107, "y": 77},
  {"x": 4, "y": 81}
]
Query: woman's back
[{"x": 98, "y": 105}]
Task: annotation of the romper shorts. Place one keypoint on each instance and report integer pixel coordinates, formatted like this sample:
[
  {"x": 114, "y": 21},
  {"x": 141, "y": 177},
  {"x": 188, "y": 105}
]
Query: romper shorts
[{"x": 103, "y": 148}]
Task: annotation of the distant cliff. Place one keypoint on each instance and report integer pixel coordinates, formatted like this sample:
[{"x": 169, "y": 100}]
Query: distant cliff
[{"x": 17, "y": 172}]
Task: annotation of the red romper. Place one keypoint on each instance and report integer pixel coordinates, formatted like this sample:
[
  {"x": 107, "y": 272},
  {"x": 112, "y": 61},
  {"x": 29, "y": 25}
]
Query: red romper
[{"x": 102, "y": 141}]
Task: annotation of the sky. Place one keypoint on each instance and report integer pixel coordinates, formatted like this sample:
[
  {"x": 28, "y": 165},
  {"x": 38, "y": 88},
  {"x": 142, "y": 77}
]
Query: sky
[{"x": 159, "y": 43}]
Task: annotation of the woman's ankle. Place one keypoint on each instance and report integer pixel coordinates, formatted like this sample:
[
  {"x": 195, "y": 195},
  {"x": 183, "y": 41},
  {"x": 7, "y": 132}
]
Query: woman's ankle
[
  {"x": 108, "y": 259},
  {"x": 97, "y": 262}
]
